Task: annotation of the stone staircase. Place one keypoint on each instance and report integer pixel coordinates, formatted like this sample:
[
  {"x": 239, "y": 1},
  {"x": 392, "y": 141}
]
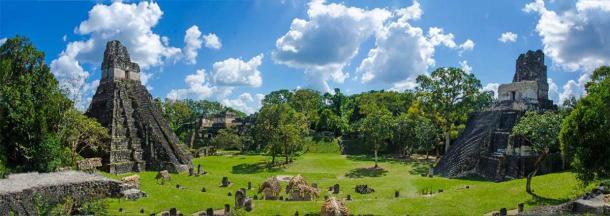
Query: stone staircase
[{"x": 463, "y": 156}]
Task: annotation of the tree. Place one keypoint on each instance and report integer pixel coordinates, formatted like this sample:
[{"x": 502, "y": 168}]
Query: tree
[
  {"x": 81, "y": 133},
  {"x": 292, "y": 127},
  {"x": 266, "y": 130},
  {"x": 281, "y": 129},
  {"x": 450, "y": 94},
  {"x": 414, "y": 132},
  {"x": 31, "y": 109},
  {"x": 376, "y": 129},
  {"x": 541, "y": 131},
  {"x": 182, "y": 119},
  {"x": 228, "y": 139},
  {"x": 277, "y": 97},
  {"x": 308, "y": 102},
  {"x": 585, "y": 133}
]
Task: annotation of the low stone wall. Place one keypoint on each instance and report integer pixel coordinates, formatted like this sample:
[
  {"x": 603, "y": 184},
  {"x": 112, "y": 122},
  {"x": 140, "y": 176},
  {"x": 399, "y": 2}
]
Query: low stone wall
[{"x": 20, "y": 192}]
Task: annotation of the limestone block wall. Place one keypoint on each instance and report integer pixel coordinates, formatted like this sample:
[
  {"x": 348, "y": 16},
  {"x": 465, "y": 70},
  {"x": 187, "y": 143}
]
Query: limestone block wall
[
  {"x": 530, "y": 91},
  {"x": 19, "y": 193}
]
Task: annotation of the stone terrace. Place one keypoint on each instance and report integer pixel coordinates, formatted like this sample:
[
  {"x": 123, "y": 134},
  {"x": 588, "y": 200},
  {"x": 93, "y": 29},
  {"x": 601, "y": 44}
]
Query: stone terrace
[{"x": 19, "y": 191}]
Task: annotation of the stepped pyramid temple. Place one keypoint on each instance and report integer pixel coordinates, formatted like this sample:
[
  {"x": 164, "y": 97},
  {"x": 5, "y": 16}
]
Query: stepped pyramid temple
[
  {"x": 484, "y": 148},
  {"x": 140, "y": 137}
]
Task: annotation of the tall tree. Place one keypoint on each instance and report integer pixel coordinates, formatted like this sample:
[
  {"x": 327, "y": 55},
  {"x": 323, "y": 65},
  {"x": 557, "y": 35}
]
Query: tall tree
[
  {"x": 450, "y": 94},
  {"x": 281, "y": 129},
  {"x": 414, "y": 132},
  {"x": 541, "y": 131},
  {"x": 376, "y": 129},
  {"x": 585, "y": 133},
  {"x": 266, "y": 131},
  {"x": 308, "y": 102},
  {"x": 292, "y": 127},
  {"x": 31, "y": 109}
]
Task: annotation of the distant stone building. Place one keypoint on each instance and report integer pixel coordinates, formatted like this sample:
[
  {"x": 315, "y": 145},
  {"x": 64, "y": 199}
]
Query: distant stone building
[
  {"x": 208, "y": 127},
  {"x": 140, "y": 137},
  {"x": 484, "y": 148}
]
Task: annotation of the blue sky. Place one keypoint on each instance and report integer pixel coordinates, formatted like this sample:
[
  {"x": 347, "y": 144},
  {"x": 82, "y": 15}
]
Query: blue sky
[{"x": 236, "y": 51}]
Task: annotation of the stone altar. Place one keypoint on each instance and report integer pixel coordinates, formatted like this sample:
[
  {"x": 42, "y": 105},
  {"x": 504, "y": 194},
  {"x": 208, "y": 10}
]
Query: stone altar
[{"x": 140, "y": 137}]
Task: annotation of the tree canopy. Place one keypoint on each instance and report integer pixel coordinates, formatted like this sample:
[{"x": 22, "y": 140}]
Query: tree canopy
[
  {"x": 541, "y": 131},
  {"x": 585, "y": 133},
  {"x": 31, "y": 110},
  {"x": 450, "y": 95}
]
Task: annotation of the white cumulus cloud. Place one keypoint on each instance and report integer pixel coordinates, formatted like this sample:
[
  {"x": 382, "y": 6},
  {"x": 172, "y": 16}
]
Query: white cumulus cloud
[
  {"x": 131, "y": 24},
  {"x": 245, "y": 102},
  {"x": 403, "y": 51},
  {"x": 465, "y": 67},
  {"x": 507, "y": 37},
  {"x": 575, "y": 39},
  {"x": 212, "y": 41},
  {"x": 492, "y": 87},
  {"x": 197, "y": 87},
  {"x": 192, "y": 43},
  {"x": 225, "y": 76},
  {"x": 236, "y": 72},
  {"x": 327, "y": 40}
]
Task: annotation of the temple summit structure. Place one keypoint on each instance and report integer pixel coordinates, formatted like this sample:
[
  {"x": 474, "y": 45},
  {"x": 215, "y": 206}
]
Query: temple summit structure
[
  {"x": 485, "y": 148},
  {"x": 140, "y": 137}
]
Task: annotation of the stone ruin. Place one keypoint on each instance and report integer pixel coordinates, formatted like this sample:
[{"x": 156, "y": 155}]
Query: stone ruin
[
  {"x": 484, "y": 148},
  {"x": 21, "y": 193},
  {"x": 140, "y": 137}
]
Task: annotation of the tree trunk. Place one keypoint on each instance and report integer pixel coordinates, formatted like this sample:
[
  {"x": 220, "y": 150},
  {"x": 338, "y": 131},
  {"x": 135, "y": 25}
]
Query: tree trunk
[
  {"x": 272, "y": 156},
  {"x": 528, "y": 184},
  {"x": 376, "y": 159},
  {"x": 427, "y": 154},
  {"x": 447, "y": 141}
]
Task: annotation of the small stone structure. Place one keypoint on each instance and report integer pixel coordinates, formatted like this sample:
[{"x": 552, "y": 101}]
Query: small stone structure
[
  {"x": 132, "y": 180},
  {"x": 592, "y": 203},
  {"x": 89, "y": 164},
  {"x": 164, "y": 176},
  {"x": 19, "y": 192},
  {"x": 485, "y": 147},
  {"x": 140, "y": 137}
]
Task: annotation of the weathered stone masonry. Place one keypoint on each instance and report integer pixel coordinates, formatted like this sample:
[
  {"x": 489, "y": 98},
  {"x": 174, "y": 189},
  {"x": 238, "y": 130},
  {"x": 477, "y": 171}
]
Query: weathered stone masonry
[
  {"x": 140, "y": 137},
  {"x": 20, "y": 192}
]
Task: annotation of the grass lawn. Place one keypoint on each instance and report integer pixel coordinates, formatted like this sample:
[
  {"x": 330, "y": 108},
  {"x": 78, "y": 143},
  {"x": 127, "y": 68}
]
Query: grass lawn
[{"x": 327, "y": 169}]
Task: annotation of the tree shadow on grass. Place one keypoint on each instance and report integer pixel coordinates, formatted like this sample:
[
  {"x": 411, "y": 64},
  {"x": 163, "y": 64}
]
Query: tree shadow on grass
[
  {"x": 371, "y": 158},
  {"x": 366, "y": 172},
  {"x": 538, "y": 200},
  {"x": 419, "y": 168},
  {"x": 251, "y": 168}
]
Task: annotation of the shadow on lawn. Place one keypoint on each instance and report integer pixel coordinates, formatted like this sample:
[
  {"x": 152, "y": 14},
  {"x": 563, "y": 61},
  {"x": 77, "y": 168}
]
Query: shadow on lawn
[
  {"x": 366, "y": 172},
  {"x": 251, "y": 168},
  {"x": 372, "y": 159},
  {"x": 419, "y": 168},
  {"x": 540, "y": 200}
]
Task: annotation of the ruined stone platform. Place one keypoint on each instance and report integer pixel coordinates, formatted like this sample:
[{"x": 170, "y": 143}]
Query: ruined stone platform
[{"x": 19, "y": 192}]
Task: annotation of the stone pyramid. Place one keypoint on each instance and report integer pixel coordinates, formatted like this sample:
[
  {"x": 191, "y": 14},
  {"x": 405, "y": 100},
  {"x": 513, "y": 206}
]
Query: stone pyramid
[{"x": 140, "y": 137}]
